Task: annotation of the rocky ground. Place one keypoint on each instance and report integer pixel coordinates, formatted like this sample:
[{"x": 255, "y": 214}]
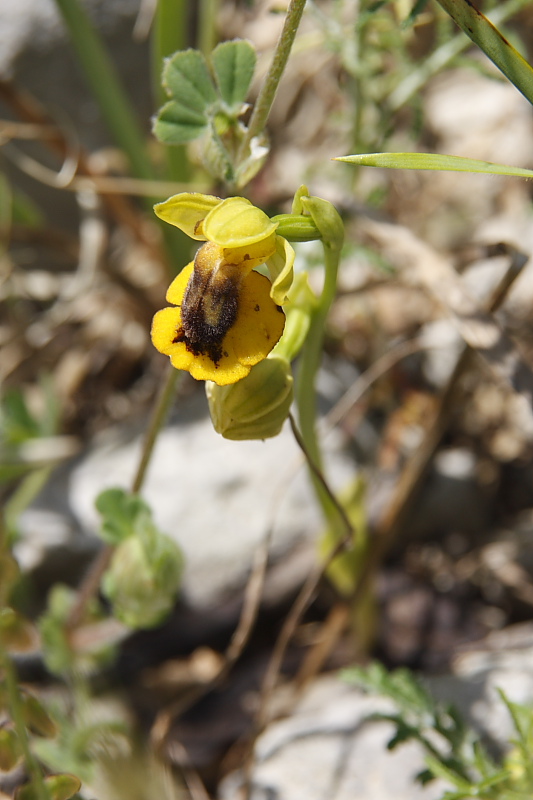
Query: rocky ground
[{"x": 447, "y": 458}]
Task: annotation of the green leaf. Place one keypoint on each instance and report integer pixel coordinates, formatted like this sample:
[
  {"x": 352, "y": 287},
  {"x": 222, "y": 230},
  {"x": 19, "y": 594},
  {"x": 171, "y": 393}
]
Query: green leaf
[
  {"x": 37, "y": 718},
  {"x": 493, "y": 43},
  {"x": 187, "y": 80},
  {"x": 10, "y": 749},
  {"x": 189, "y": 85},
  {"x": 433, "y": 161},
  {"x": 120, "y": 512},
  {"x": 175, "y": 124},
  {"x": 17, "y": 634},
  {"x": 234, "y": 67}
]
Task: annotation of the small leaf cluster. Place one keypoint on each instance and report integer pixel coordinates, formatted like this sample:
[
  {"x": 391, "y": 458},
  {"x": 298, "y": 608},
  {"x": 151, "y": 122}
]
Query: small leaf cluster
[
  {"x": 207, "y": 98},
  {"x": 144, "y": 576},
  {"x": 453, "y": 751}
]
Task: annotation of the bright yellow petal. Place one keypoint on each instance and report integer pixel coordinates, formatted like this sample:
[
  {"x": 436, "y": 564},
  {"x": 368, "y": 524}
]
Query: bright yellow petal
[
  {"x": 186, "y": 211},
  {"x": 228, "y": 370},
  {"x": 164, "y": 328},
  {"x": 237, "y": 223},
  {"x": 259, "y": 323},
  {"x": 176, "y": 290}
]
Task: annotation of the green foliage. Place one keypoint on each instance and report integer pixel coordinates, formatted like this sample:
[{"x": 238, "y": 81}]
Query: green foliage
[
  {"x": 60, "y": 655},
  {"x": 58, "y": 787},
  {"x": 200, "y": 92},
  {"x": 453, "y": 751},
  {"x": 122, "y": 514},
  {"x": 82, "y": 742},
  {"x": 145, "y": 571}
]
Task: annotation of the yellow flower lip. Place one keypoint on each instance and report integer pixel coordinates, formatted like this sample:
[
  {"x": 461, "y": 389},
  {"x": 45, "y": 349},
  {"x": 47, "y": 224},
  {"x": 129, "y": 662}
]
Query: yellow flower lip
[
  {"x": 227, "y": 317},
  {"x": 223, "y": 321}
]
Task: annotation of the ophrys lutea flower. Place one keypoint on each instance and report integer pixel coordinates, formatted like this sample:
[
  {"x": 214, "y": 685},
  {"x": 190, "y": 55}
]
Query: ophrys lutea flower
[{"x": 226, "y": 317}]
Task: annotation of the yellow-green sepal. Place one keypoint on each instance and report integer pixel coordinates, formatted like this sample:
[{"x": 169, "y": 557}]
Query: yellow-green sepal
[
  {"x": 187, "y": 211},
  {"x": 281, "y": 269}
]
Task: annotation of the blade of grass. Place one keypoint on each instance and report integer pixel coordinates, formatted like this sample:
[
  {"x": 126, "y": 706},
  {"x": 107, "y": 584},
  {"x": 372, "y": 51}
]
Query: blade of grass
[
  {"x": 433, "y": 161},
  {"x": 169, "y": 34},
  {"x": 492, "y": 43},
  {"x": 442, "y": 56},
  {"x": 105, "y": 86}
]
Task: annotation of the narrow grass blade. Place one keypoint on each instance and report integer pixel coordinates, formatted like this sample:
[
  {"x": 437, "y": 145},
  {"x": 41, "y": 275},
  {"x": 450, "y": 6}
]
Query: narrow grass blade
[
  {"x": 433, "y": 161},
  {"x": 493, "y": 43},
  {"x": 101, "y": 76}
]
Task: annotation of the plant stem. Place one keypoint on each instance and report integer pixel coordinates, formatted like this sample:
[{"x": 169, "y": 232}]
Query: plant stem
[
  {"x": 159, "y": 414},
  {"x": 207, "y": 30},
  {"x": 91, "y": 581},
  {"x": 306, "y": 391},
  {"x": 270, "y": 84}
]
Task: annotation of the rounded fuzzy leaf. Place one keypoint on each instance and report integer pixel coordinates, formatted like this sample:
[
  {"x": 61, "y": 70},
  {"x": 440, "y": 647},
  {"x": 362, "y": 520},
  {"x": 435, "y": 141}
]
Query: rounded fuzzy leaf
[
  {"x": 187, "y": 80},
  {"x": 177, "y": 124},
  {"x": 119, "y": 510},
  {"x": 234, "y": 66}
]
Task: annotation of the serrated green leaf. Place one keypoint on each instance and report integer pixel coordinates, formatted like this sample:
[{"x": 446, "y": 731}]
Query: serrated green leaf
[
  {"x": 176, "y": 124},
  {"x": 433, "y": 161},
  {"x": 234, "y": 66},
  {"x": 187, "y": 80}
]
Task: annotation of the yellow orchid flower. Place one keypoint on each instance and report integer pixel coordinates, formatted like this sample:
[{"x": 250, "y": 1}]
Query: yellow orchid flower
[{"x": 225, "y": 317}]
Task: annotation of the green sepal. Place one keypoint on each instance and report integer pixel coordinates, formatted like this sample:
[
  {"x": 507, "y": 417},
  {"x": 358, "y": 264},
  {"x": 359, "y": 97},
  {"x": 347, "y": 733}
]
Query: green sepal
[{"x": 233, "y": 67}]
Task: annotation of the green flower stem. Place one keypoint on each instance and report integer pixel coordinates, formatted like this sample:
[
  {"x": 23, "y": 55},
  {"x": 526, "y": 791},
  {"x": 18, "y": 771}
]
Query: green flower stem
[
  {"x": 105, "y": 85},
  {"x": 270, "y": 85},
  {"x": 296, "y": 227},
  {"x": 159, "y": 415},
  {"x": 308, "y": 368},
  {"x": 92, "y": 580},
  {"x": 17, "y": 715}
]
